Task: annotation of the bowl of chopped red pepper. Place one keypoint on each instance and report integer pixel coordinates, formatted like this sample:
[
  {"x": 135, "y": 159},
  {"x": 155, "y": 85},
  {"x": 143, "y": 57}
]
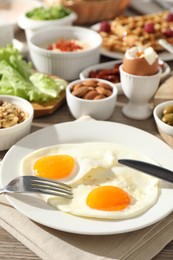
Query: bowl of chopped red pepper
[{"x": 65, "y": 51}]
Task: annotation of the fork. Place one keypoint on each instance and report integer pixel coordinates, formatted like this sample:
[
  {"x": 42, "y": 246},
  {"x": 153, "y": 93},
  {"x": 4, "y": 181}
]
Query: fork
[{"x": 29, "y": 184}]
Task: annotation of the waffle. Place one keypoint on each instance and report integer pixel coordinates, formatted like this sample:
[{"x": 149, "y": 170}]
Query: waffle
[{"x": 145, "y": 30}]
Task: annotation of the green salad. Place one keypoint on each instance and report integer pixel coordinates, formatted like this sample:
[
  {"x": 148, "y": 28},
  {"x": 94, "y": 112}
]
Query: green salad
[
  {"x": 48, "y": 13},
  {"x": 18, "y": 78}
]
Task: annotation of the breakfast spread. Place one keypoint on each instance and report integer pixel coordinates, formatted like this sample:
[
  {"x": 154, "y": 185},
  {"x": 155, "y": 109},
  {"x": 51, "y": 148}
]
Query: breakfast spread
[
  {"x": 141, "y": 61},
  {"x": 101, "y": 187},
  {"x": 145, "y": 30},
  {"x": 91, "y": 89},
  {"x": 167, "y": 116},
  {"x": 63, "y": 45},
  {"x": 111, "y": 74},
  {"x": 10, "y": 115}
]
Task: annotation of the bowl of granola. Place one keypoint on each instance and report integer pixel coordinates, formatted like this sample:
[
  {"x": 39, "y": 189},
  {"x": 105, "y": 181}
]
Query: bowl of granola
[{"x": 16, "y": 115}]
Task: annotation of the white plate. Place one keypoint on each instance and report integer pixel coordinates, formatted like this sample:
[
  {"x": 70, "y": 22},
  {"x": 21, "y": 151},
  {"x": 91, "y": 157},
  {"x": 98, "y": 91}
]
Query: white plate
[
  {"x": 146, "y": 6},
  {"x": 107, "y": 65},
  {"x": 166, "y": 56},
  {"x": 85, "y": 131}
]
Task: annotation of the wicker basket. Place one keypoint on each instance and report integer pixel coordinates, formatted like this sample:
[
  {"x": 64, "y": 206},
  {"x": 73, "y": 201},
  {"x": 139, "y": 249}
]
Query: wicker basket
[{"x": 92, "y": 11}]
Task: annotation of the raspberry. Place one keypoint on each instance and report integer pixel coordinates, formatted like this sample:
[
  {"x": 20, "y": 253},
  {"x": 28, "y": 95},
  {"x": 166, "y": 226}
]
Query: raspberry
[
  {"x": 169, "y": 17},
  {"x": 168, "y": 33},
  {"x": 105, "y": 27},
  {"x": 149, "y": 28}
]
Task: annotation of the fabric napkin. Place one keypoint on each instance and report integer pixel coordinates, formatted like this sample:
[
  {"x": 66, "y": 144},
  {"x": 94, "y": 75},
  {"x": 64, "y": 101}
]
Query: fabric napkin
[{"x": 50, "y": 244}]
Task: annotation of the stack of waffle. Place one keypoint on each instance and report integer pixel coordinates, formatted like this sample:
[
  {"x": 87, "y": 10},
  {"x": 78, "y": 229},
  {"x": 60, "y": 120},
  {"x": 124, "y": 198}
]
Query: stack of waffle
[{"x": 145, "y": 30}]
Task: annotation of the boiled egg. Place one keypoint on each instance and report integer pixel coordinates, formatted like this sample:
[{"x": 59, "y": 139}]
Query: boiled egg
[{"x": 141, "y": 61}]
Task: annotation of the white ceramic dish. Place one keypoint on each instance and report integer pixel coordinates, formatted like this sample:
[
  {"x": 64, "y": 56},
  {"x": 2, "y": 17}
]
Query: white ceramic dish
[
  {"x": 32, "y": 26},
  {"x": 66, "y": 65},
  {"x": 165, "y": 70},
  {"x": 146, "y": 6},
  {"x": 100, "y": 109},
  {"x": 9, "y": 136},
  {"x": 165, "y": 56},
  {"x": 85, "y": 131},
  {"x": 157, "y": 112}
]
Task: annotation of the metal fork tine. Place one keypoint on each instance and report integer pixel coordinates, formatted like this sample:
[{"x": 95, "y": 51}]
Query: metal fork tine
[
  {"x": 36, "y": 184},
  {"x": 60, "y": 194},
  {"x": 50, "y": 181},
  {"x": 49, "y": 187}
]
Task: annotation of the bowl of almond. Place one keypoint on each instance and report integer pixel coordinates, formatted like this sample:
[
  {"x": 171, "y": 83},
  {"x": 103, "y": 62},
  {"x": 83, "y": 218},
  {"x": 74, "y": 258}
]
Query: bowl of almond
[
  {"x": 16, "y": 115},
  {"x": 93, "y": 97}
]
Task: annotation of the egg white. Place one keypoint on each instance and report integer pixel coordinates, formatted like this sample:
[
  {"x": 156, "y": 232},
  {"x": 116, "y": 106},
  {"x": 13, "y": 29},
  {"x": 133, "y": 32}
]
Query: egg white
[
  {"x": 97, "y": 165},
  {"x": 143, "y": 191}
]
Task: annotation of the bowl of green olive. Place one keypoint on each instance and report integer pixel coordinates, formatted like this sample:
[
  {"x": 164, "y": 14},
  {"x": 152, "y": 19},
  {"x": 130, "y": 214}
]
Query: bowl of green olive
[{"x": 163, "y": 116}]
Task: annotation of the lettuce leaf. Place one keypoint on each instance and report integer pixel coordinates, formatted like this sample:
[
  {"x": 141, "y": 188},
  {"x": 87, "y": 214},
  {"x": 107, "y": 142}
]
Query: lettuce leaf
[
  {"x": 47, "y": 87},
  {"x": 15, "y": 59},
  {"x": 18, "y": 78}
]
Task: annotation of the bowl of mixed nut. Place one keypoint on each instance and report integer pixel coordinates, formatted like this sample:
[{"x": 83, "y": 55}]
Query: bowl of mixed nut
[
  {"x": 16, "y": 115},
  {"x": 163, "y": 115},
  {"x": 93, "y": 97}
]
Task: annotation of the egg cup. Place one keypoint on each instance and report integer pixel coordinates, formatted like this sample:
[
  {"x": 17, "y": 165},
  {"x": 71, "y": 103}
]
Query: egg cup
[{"x": 139, "y": 90}]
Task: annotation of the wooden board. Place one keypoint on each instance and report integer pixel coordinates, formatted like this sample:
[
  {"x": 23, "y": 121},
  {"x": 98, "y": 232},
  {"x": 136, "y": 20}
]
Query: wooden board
[
  {"x": 47, "y": 108},
  {"x": 165, "y": 93}
]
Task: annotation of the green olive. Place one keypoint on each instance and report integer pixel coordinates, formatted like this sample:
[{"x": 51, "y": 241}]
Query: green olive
[
  {"x": 168, "y": 109},
  {"x": 168, "y": 119}
]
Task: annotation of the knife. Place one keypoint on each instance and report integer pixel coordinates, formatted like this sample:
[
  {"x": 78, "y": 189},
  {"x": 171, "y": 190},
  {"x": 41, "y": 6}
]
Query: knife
[{"x": 149, "y": 168}]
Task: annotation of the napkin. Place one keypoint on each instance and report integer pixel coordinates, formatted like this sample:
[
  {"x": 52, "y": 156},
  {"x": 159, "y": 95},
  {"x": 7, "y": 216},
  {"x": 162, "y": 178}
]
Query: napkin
[{"x": 50, "y": 244}]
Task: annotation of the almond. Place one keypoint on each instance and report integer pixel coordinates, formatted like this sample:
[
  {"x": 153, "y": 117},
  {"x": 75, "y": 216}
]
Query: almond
[
  {"x": 104, "y": 85},
  {"x": 91, "y": 94},
  {"x": 108, "y": 92},
  {"x": 99, "y": 97},
  {"x": 80, "y": 92},
  {"x": 77, "y": 86},
  {"x": 90, "y": 83},
  {"x": 101, "y": 90}
]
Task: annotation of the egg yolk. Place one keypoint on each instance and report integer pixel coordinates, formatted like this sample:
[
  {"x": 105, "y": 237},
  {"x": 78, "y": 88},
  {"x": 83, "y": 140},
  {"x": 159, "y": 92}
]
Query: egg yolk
[
  {"x": 108, "y": 198},
  {"x": 139, "y": 54},
  {"x": 54, "y": 166}
]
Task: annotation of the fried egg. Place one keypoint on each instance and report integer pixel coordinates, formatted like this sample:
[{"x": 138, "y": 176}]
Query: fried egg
[{"x": 101, "y": 187}]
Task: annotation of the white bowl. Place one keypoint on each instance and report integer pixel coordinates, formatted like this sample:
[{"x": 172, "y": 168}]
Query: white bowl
[
  {"x": 9, "y": 136},
  {"x": 66, "y": 65},
  {"x": 32, "y": 26},
  {"x": 100, "y": 109},
  {"x": 157, "y": 113},
  {"x": 105, "y": 65}
]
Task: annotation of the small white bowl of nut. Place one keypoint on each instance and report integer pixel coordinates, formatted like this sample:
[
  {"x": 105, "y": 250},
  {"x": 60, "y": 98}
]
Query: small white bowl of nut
[
  {"x": 163, "y": 116},
  {"x": 93, "y": 97},
  {"x": 16, "y": 115}
]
